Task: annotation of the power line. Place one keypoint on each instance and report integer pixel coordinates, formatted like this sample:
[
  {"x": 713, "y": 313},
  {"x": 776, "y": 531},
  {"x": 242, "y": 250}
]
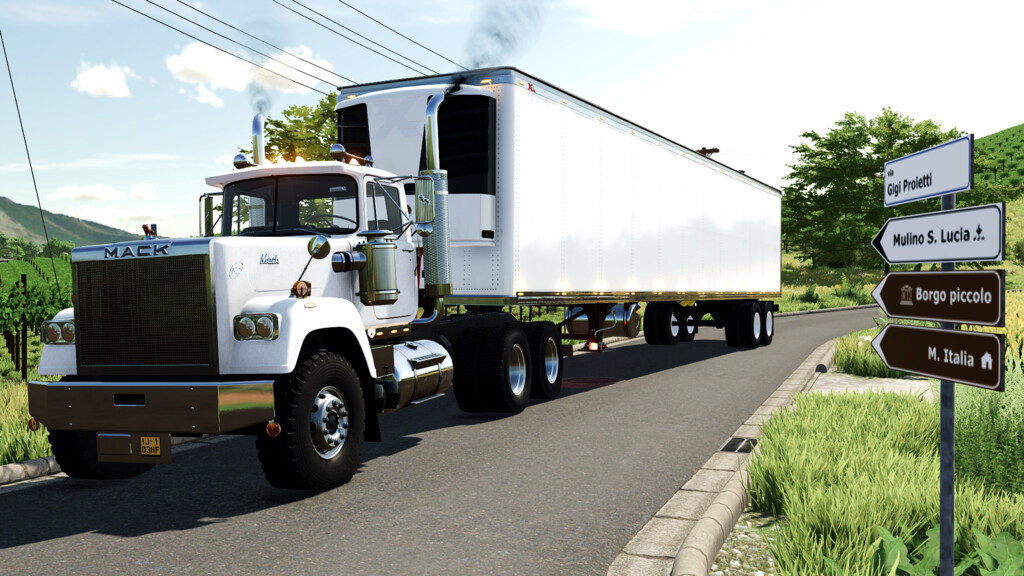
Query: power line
[
  {"x": 399, "y": 33},
  {"x": 168, "y": 10},
  {"x": 342, "y": 35},
  {"x": 30, "y": 169},
  {"x": 158, "y": 21},
  {"x": 365, "y": 38},
  {"x": 292, "y": 54}
]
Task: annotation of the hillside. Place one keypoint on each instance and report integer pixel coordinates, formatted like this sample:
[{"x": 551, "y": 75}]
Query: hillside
[
  {"x": 23, "y": 220},
  {"x": 1008, "y": 148}
]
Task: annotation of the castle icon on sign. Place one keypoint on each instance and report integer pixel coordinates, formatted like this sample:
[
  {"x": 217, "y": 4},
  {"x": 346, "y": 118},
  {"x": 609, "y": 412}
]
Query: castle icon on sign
[
  {"x": 906, "y": 296},
  {"x": 986, "y": 361}
]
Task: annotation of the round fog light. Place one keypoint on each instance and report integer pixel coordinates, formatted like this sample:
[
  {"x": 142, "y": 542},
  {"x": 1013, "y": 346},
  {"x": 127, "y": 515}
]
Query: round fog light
[
  {"x": 265, "y": 327},
  {"x": 52, "y": 333},
  {"x": 246, "y": 328},
  {"x": 68, "y": 332}
]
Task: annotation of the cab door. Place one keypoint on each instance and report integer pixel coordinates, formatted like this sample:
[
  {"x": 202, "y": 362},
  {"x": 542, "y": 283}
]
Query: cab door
[{"x": 384, "y": 206}]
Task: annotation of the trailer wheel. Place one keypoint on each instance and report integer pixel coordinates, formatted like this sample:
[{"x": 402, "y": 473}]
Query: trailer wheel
[
  {"x": 687, "y": 319},
  {"x": 731, "y": 327},
  {"x": 767, "y": 323},
  {"x": 467, "y": 393},
  {"x": 503, "y": 369},
  {"x": 666, "y": 323},
  {"x": 546, "y": 359},
  {"x": 650, "y": 324},
  {"x": 76, "y": 453},
  {"x": 321, "y": 410},
  {"x": 748, "y": 319}
]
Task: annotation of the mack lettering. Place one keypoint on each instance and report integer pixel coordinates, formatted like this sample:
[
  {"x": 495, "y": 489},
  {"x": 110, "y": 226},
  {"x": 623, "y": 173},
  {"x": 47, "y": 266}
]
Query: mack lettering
[{"x": 143, "y": 250}]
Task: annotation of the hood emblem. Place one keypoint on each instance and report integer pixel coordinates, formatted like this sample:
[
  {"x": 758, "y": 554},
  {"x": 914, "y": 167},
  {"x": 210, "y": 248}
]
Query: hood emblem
[
  {"x": 268, "y": 259},
  {"x": 133, "y": 251}
]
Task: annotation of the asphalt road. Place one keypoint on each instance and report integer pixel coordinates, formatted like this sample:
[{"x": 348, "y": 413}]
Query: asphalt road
[{"x": 558, "y": 489}]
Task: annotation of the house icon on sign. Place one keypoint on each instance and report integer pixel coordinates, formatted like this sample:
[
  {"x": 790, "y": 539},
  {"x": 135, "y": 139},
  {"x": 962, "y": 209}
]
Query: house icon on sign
[{"x": 986, "y": 361}]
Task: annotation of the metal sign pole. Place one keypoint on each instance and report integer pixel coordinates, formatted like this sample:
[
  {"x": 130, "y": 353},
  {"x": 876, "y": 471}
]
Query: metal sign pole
[{"x": 947, "y": 444}]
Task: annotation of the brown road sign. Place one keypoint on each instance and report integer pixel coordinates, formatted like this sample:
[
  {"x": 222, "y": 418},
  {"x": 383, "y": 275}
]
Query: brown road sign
[
  {"x": 966, "y": 297},
  {"x": 973, "y": 358}
]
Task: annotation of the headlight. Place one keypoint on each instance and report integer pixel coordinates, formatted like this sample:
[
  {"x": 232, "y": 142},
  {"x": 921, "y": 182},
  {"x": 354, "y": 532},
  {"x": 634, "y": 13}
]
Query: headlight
[
  {"x": 257, "y": 326},
  {"x": 58, "y": 332}
]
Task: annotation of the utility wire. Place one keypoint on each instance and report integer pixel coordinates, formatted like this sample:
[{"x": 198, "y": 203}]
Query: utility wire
[
  {"x": 292, "y": 54},
  {"x": 194, "y": 23},
  {"x": 30, "y": 169},
  {"x": 342, "y": 35},
  {"x": 158, "y": 21},
  {"x": 365, "y": 38},
  {"x": 399, "y": 33}
]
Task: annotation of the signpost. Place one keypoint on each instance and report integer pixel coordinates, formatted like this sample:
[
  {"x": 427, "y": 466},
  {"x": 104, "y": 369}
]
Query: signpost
[
  {"x": 965, "y": 235},
  {"x": 968, "y": 234},
  {"x": 966, "y": 297},
  {"x": 974, "y": 358},
  {"x": 944, "y": 169}
]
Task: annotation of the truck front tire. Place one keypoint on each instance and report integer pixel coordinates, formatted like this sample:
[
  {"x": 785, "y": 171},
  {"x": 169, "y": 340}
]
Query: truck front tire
[
  {"x": 321, "y": 410},
  {"x": 77, "y": 455}
]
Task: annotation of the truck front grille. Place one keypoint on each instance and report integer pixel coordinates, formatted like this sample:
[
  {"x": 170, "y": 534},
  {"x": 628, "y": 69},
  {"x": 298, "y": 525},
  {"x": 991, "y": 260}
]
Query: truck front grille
[{"x": 145, "y": 312}]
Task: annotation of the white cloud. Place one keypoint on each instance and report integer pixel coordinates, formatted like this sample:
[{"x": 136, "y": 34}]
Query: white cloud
[
  {"x": 227, "y": 159},
  {"x": 130, "y": 219},
  {"x": 212, "y": 70},
  {"x": 100, "y": 80},
  {"x": 91, "y": 193},
  {"x": 206, "y": 96},
  {"x": 143, "y": 191}
]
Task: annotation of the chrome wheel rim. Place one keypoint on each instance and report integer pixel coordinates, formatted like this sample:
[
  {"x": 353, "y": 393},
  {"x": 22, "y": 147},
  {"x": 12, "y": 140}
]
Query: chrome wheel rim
[
  {"x": 551, "y": 360},
  {"x": 328, "y": 422},
  {"x": 517, "y": 370},
  {"x": 757, "y": 326},
  {"x": 691, "y": 328},
  {"x": 769, "y": 323},
  {"x": 673, "y": 325}
]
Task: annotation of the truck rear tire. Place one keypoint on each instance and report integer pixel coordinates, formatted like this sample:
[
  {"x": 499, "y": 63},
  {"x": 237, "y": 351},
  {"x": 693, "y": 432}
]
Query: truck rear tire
[
  {"x": 748, "y": 319},
  {"x": 503, "y": 369},
  {"x": 76, "y": 453},
  {"x": 767, "y": 323},
  {"x": 321, "y": 410},
  {"x": 546, "y": 359},
  {"x": 465, "y": 357}
]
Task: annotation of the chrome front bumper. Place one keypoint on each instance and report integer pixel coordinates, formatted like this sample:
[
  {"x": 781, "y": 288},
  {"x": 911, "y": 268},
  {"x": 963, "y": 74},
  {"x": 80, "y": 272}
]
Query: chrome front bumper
[{"x": 173, "y": 407}]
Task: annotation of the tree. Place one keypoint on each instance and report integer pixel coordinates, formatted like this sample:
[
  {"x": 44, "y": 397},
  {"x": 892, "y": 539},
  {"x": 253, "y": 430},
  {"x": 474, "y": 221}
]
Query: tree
[
  {"x": 834, "y": 206},
  {"x": 303, "y": 131},
  {"x": 57, "y": 247}
]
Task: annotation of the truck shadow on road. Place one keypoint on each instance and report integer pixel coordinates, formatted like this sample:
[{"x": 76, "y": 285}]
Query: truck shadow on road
[{"x": 222, "y": 481}]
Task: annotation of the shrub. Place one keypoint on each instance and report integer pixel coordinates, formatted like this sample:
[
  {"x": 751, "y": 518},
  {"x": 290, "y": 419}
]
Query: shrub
[{"x": 810, "y": 295}]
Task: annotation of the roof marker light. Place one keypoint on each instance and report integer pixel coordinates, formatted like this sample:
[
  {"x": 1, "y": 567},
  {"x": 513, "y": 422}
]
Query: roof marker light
[
  {"x": 564, "y": 101},
  {"x": 521, "y": 83},
  {"x": 485, "y": 81},
  {"x": 350, "y": 96}
]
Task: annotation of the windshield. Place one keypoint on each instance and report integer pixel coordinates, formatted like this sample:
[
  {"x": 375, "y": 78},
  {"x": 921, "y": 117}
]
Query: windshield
[{"x": 290, "y": 205}]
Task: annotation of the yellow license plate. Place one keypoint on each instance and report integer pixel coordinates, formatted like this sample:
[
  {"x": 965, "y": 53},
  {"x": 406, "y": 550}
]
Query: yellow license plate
[{"x": 150, "y": 445}]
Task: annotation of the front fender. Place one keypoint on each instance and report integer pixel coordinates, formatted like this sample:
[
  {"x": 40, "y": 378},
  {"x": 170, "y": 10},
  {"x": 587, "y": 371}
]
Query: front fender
[{"x": 298, "y": 318}]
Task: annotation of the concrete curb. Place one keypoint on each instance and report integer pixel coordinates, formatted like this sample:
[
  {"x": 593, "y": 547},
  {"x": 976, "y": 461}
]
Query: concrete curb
[
  {"x": 820, "y": 310},
  {"x": 20, "y": 471},
  {"x": 702, "y": 544}
]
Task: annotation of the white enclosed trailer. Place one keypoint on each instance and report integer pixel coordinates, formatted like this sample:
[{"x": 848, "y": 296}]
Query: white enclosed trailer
[
  {"x": 562, "y": 202},
  {"x": 517, "y": 194}
]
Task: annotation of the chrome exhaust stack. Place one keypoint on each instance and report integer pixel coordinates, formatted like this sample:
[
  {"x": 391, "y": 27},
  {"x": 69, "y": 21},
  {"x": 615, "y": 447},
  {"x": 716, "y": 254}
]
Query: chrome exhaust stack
[
  {"x": 435, "y": 247},
  {"x": 258, "y": 152}
]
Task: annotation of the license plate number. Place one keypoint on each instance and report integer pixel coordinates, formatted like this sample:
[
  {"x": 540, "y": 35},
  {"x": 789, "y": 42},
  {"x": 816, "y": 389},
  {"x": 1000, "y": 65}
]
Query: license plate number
[{"x": 150, "y": 445}]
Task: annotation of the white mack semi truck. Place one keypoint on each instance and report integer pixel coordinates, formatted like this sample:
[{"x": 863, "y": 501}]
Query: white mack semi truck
[{"x": 337, "y": 291}]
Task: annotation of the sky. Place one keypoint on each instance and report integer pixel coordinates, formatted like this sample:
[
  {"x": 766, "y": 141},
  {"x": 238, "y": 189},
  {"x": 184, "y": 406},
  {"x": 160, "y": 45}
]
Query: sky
[{"x": 125, "y": 117}]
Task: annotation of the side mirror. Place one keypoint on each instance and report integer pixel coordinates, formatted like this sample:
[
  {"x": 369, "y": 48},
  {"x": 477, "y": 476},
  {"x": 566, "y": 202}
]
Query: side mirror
[
  {"x": 424, "y": 199},
  {"x": 319, "y": 247}
]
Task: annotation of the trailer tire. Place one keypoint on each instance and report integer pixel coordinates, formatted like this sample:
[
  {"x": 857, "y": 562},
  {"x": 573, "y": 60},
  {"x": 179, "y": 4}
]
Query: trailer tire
[
  {"x": 685, "y": 315},
  {"x": 465, "y": 357},
  {"x": 546, "y": 359},
  {"x": 503, "y": 369},
  {"x": 767, "y": 323},
  {"x": 748, "y": 319},
  {"x": 77, "y": 455},
  {"x": 650, "y": 324},
  {"x": 731, "y": 328},
  {"x": 304, "y": 455},
  {"x": 665, "y": 330}
]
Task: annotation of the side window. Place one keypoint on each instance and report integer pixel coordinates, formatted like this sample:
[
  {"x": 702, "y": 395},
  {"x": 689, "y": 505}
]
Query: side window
[{"x": 382, "y": 206}]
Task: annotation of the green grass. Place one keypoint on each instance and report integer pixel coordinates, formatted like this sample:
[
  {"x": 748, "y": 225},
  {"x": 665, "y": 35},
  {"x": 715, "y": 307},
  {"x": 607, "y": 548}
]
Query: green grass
[
  {"x": 17, "y": 443},
  {"x": 838, "y": 466},
  {"x": 854, "y": 355}
]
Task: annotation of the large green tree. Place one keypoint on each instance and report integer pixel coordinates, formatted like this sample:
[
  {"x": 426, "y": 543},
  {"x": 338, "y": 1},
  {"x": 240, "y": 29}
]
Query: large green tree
[
  {"x": 834, "y": 205},
  {"x": 302, "y": 131}
]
